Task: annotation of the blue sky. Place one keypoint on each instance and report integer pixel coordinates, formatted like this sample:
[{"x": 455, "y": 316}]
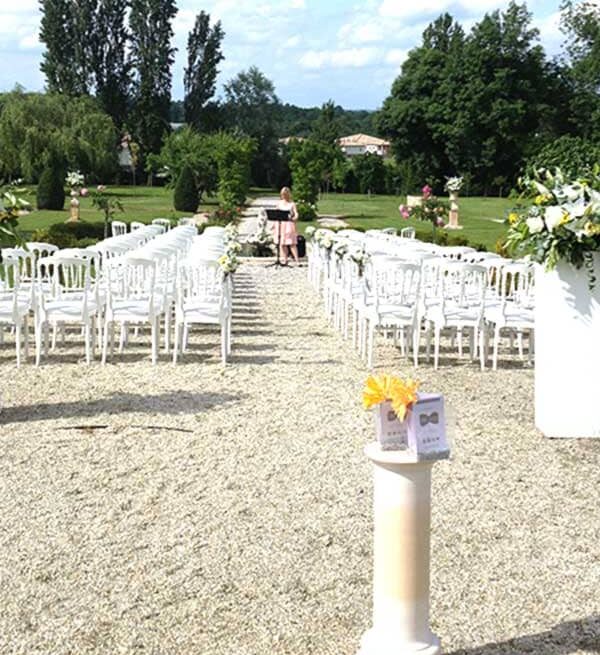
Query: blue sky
[{"x": 313, "y": 50}]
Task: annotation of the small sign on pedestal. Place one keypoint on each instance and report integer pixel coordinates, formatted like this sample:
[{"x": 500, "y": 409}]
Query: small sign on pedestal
[{"x": 422, "y": 434}]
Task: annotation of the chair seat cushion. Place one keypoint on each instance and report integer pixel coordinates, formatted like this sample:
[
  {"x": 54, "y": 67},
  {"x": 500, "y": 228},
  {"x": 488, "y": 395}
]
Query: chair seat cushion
[
  {"x": 69, "y": 308},
  {"x": 7, "y": 306}
]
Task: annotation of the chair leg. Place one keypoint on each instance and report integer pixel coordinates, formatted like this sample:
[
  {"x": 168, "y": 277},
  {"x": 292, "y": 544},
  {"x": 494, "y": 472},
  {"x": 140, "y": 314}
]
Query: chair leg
[
  {"x": 54, "y": 336},
  {"x": 520, "y": 343},
  {"x": 46, "y": 338},
  {"x": 176, "y": 341},
  {"x": 224, "y": 342},
  {"x": 123, "y": 337},
  {"x": 18, "y": 342},
  {"x": 155, "y": 335},
  {"x": 416, "y": 338},
  {"x": 229, "y": 338},
  {"x": 105, "y": 341},
  {"x": 436, "y": 346},
  {"x": 482, "y": 347},
  {"x": 167, "y": 330},
  {"x": 459, "y": 337},
  {"x": 496, "y": 344},
  {"x": 371, "y": 344},
  {"x": 38, "y": 328},
  {"x": 88, "y": 343},
  {"x": 26, "y": 336}
]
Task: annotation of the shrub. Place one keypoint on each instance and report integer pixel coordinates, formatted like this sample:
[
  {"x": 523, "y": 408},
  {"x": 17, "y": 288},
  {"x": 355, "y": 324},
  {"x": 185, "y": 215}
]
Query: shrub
[
  {"x": 306, "y": 212},
  {"x": 50, "y": 191},
  {"x": 71, "y": 235},
  {"x": 185, "y": 196}
]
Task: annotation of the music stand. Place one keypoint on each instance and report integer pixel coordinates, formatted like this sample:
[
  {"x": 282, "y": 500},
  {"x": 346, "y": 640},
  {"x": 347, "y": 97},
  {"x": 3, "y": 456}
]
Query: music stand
[{"x": 278, "y": 216}]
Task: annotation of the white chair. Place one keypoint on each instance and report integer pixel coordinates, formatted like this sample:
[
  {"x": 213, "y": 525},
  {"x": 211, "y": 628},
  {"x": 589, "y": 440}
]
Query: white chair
[
  {"x": 203, "y": 297},
  {"x": 395, "y": 286},
  {"x": 515, "y": 309},
  {"x": 186, "y": 220},
  {"x": 14, "y": 305},
  {"x": 133, "y": 298},
  {"x": 118, "y": 228},
  {"x": 408, "y": 233},
  {"x": 163, "y": 222},
  {"x": 71, "y": 299},
  {"x": 458, "y": 305},
  {"x": 136, "y": 225}
]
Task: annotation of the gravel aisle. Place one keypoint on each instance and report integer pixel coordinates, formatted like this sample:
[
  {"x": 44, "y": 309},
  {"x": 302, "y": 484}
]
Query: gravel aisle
[{"x": 228, "y": 510}]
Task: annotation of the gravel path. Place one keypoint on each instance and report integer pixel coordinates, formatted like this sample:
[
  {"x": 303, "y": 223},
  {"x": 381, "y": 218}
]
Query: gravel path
[{"x": 228, "y": 510}]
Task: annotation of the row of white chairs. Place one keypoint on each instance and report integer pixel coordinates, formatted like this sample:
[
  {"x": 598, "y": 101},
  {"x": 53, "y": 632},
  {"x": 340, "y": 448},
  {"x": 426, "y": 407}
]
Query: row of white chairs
[
  {"x": 126, "y": 282},
  {"x": 408, "y": 287}
]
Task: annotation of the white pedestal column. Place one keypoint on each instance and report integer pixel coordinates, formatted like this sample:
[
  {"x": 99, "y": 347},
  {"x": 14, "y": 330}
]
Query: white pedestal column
[
  {"x": 567, "y": 352},
  {"x": 402, "y": 512}
]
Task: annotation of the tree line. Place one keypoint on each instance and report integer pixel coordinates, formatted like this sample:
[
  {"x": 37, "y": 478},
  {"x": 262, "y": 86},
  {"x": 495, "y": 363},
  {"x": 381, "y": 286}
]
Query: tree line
[
  {"x": 489, "y": 103},
  {"x": 484, "y": 104}
]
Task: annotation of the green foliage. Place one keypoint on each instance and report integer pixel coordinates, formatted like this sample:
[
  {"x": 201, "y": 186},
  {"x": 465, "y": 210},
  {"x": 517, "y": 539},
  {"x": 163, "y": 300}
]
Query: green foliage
[
  {"x": 326, "y": 128},
  {"x": 185, "y": 196},
  {"x": 306, "y": 211},
  {"x": 187, "y": 147},
  {"x": 64, "y": 61},
  {"x": 310, "y": 162},
  {"x": 572, "y": 154},
  {"x": 204, "y": 55},
  {"x": 71, "y": 235},
  {"x": 370, "y": 173},
  {"x": 33, "y": 126},
  {"x": 234, "y": 156},
  {"x": 12, "y": 201},
  {"x": 153, "y": 55},
  {"x": 251, "y": 108},
  {"x": 51, "y": 191},
  {"x": 300, "y": 121},
  {"x": 475, "y": 105}
]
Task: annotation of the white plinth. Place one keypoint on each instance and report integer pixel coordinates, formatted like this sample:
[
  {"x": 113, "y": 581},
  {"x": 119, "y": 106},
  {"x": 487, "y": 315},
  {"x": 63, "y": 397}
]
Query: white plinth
[
  {"x": 567, "y": 357},
  {"x": 402, "y": 515}
]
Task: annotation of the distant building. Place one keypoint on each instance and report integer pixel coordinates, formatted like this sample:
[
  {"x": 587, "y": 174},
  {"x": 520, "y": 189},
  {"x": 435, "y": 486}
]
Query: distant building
[
  {"x": 286, "y": 140},
  {"x": 360, "y": 144}
]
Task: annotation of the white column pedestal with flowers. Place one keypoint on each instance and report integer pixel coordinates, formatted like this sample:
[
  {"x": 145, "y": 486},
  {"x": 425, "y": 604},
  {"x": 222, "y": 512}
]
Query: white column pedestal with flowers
[
  {"x": 561, "y": 232},
  {"x": 567, "y": 343},
  {"x": 403, "y": 457},
  {"x": 453, "y": 186}
]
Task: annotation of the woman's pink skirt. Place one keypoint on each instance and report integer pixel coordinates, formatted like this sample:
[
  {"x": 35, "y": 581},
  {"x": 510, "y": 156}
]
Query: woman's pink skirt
[{"x": 289, "y": 237}]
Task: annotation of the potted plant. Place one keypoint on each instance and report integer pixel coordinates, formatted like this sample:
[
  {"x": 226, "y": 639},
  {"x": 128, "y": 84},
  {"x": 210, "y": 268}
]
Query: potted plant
[{"x": 559, "y": 229}]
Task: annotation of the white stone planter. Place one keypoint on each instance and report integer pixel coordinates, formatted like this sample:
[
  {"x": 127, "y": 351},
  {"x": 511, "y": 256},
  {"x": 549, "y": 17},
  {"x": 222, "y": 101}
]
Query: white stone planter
[{"x": 567, "y": 360}]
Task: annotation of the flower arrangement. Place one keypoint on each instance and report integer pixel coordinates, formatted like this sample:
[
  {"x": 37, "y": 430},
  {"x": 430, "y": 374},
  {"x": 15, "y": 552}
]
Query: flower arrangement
[
  {"x": 429, "y": 209},
  {"x": 310, "y": 231},
  {"x": 360, "y": 257},
  {"x": 454, "y": 184},
  {"x": 74, "y": 180},
  {"x": 324, "y": 238},
  {"x": 229, "y": 263},
  {"x": 340, "y": 248},
  {"x": 562, "y": 223},
  {"x": 12, "y": 203},
  {"x": 231, "y": 232},
  {"x": 402, "y": 394}
]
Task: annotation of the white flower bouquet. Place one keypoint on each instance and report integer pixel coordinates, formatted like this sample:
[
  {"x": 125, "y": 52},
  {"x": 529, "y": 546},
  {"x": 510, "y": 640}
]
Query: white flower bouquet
[
  {"x": 229, "y": 263},
  {"x": 74, "y": 179},
  {"x": 562, "y": 223},
  {"x": 454, "y": 184}
]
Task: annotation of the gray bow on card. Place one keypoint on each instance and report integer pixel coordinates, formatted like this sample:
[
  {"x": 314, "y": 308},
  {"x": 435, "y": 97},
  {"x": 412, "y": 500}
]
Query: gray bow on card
[{"x": 433, "y": 418}]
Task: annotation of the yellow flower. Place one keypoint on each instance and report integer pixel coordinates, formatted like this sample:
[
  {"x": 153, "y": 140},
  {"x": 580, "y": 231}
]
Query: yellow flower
[
  {"x": 539, "y": 200},
  {"x": 513, "y": 218},
  {"x": 565, "y": 219},
  {"x": 591, "y": 229},
  {"x": 401, "y": 393}
]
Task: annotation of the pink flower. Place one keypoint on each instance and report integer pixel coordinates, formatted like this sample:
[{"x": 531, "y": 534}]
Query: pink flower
[
  {"x": 440, "y": 222},
  {"x": 404, "y": 211},
  {"x": 84, "y": 192},
  {"x": 426, "y": 191}
]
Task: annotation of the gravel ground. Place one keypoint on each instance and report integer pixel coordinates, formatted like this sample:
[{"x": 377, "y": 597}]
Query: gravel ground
[{"x": 228, "y": 510}]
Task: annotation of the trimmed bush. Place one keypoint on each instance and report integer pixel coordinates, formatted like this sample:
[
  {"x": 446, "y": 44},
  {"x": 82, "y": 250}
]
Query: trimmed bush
[
  {"x": 71, "y": 235},
  {"x": 185, "y": 196},
  {"x": 51, "y": 191}
]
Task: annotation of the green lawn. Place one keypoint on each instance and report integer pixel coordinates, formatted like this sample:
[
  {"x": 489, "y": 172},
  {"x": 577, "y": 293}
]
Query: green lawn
[
  {"x": 139, "y": 204},
  {"x": 479, "y": 216}
]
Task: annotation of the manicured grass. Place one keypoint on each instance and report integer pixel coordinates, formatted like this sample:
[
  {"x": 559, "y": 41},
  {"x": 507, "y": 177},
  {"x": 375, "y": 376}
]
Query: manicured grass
[
  {"x": 139, "y": 204},
  {"x": 479, "y": 216}
]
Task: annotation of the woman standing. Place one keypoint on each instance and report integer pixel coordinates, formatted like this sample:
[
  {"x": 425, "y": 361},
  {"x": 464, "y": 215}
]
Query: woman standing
[{"x": 285, "y": 232}]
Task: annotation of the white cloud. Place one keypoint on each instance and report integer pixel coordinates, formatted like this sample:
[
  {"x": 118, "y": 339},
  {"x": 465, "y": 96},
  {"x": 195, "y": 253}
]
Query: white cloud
[
  {"x": 395, "y": 56},
  {"x": 292, "y": 42},
  {"x": 406, "y": 9},
  {"x": 298, "y": 4},
  {"x": 345, "y": 58}
]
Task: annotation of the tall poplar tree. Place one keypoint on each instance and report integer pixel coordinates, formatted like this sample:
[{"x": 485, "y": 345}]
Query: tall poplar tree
[
  {"x": 152, "y": 56},
  {"x": 64, "y": 61},
  {"x": 204, "y": 55},
  {"x": 107, "y": 41}
]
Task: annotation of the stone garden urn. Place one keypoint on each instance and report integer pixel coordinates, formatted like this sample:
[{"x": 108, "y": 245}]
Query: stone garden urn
[
  {"x": 453, "y": 216},
  {"x": 74, "y": 211}
]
